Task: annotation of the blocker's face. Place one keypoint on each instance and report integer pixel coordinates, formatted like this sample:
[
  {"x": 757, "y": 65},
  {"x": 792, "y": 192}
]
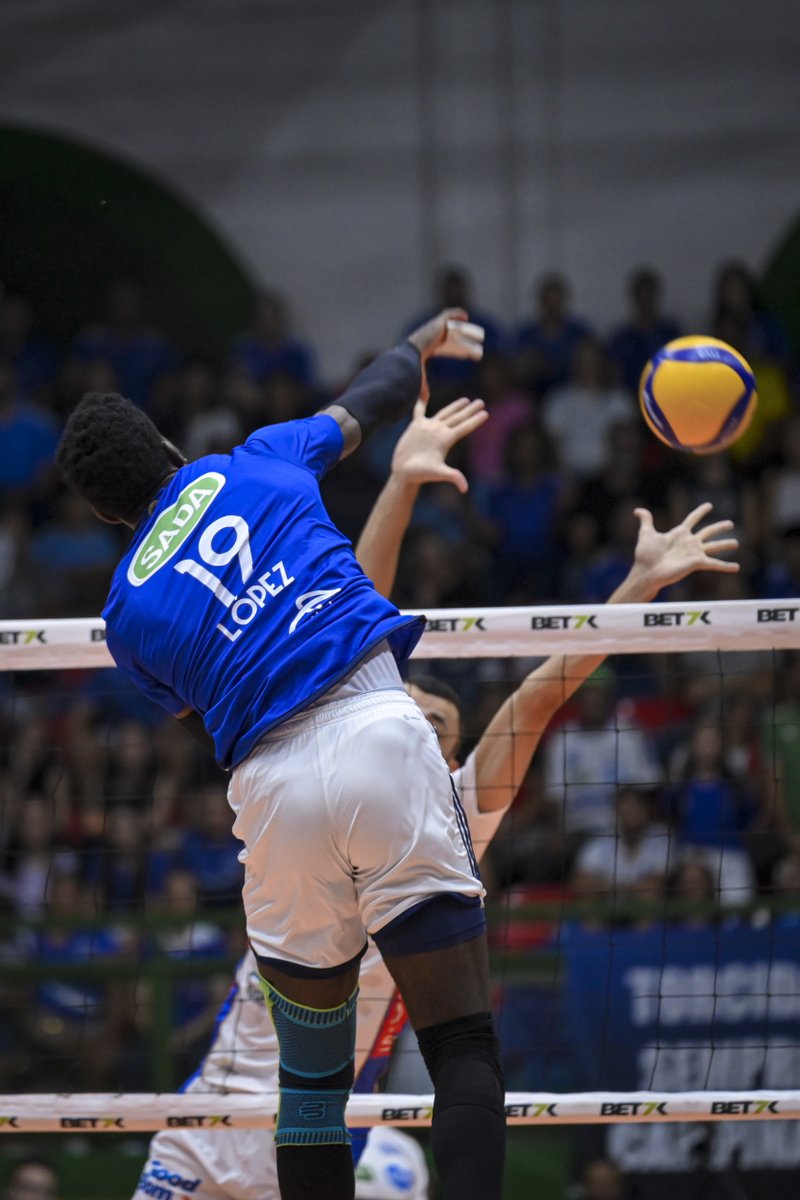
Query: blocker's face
[{"x": 445, "y": 719}]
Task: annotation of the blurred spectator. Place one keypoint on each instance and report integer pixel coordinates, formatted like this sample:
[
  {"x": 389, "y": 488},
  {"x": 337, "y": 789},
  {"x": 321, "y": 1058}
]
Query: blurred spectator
[
  {"x": 623, "y": 477},
  {"x": 28, "y": 439},
  {"x": 611, "y": 562},
  {"x": 591, "y": 754},
  {"x": 509, "y": 409},
  {"x": 137, "y": 352},
  {"x": 580, "y": 413},
  {"x": 779, "y": 507},
  {"x": 759, "y": 444},
  {"x": 123, "y": 867},
  {"x": 529, "y": 846},
  {"x": 453, "y": 289},
  {"x": 31, "y": 1178},
  {"x": 633, "y": 345},
  {"x": 601, "y": 1179},
  {"x": 546, "y": 345},
  {"x": 208, "y": 849},
  {"x": 736, "y": 296},
  {"x": 696, "y": 886},
  {"x": 707, "y": 477},
  {"x": 432, "y": 572},
  {"x": 631, "y": 858},
  {"x": 712, "y": 811},
  {"x": 269, "y": 348},
  {"x": 525, "y": 509},
  {"x": 786, "y": 888},
  {"x": 32, "y": 356},
  {"x": 184, "y": 396},
  {"x": 780, "y": 740},
  {"x": 780, "y": 578},
  {"x": 35, "y": 855},
  {"x": 195, "y": 1000},
  {"x": 73, "y": 1021},
  {"x": 74, "y": 555},
  {"x": 17, "y": 586}
]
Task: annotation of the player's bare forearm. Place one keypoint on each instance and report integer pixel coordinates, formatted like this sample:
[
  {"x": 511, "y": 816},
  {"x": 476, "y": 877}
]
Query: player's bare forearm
[
  {"x": 378, "y": 549},
  {"x": 505, "y": 751}
]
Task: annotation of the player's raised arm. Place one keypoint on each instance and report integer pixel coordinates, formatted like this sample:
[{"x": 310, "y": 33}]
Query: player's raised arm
[
  {"x": 504, "y": 753},
  {"x": 419, "y": 457},
  {"x": 385, "y": 391}
]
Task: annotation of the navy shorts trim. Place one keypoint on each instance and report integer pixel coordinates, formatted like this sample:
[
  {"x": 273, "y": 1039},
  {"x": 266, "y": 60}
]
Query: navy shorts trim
[
  {"x": 298, "y": 971},
  {"x": 440, "y": 921}
]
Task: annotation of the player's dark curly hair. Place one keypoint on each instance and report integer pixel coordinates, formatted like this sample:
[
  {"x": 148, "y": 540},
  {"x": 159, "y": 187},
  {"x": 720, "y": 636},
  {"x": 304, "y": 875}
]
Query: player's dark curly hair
[{"x": 113, "y": 455}]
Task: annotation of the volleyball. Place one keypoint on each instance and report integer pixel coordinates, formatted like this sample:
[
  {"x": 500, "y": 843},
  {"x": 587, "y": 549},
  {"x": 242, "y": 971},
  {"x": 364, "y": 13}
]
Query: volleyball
[{"x": 698, "y": 394}]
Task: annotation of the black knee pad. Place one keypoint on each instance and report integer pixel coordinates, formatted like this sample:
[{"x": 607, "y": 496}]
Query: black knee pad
[{"x": 463, "y": 1060}]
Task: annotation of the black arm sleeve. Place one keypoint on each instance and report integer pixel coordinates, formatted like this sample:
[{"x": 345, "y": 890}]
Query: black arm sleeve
[{"x": 384, "y": 391}]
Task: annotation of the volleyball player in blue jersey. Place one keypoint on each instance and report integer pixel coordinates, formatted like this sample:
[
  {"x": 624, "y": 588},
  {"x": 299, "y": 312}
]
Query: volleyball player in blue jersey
[
  {"x": 242, "y": 1057},
  {"x": 241, "y": 609}
]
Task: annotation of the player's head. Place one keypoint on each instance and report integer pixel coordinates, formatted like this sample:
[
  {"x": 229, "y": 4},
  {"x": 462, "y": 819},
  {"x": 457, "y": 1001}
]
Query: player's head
[
  {"x": 392, "y": 1167},
  {"x": 113, "y": 455},
  {"x": 442, "y": 707},
  {"x": 32, "y": 1179}
]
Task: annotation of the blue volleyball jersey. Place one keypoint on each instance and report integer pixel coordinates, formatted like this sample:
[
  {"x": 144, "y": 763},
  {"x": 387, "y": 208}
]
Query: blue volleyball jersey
[{"x": 239, "y": 598}]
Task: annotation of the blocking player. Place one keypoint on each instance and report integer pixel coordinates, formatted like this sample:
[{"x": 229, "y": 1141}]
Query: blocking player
[
  {"x": 241, "y": 609},
  {"x": 232, "y": 1165}
]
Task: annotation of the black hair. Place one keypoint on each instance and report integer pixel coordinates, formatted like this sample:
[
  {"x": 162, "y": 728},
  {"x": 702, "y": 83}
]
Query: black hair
[
  {"x": 113, "y": 455},
  {"x": 438, "y": 687}
]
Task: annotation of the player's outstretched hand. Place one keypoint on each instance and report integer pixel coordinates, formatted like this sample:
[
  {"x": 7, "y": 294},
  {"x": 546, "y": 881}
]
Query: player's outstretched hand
[
  {"x": 665, "y": 558},
  {"x": 419, "y": 456},
  {"x": 449, "y": 334}
]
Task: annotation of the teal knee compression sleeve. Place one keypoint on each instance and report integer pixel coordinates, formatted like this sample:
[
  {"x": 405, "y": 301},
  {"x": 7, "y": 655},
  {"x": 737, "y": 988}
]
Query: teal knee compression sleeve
[{"x": 317, "y": 1055}]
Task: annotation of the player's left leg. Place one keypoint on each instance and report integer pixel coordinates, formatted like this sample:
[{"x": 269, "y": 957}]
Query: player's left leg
[
  {"x": 446, "y": 991},
  {"x": 315, "y": 1020}
]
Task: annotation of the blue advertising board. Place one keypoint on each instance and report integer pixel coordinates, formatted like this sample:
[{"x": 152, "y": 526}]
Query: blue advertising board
[{"x": 674, "y": 1008}]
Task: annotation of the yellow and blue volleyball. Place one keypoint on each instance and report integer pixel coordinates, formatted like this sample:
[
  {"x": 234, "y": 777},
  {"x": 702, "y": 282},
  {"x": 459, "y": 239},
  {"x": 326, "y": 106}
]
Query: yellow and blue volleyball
[{"x": 698, "y": 394}]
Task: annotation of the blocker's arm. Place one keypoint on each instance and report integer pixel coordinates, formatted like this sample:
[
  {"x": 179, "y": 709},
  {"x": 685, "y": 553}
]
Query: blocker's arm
[{"x": 504, "y": 753}]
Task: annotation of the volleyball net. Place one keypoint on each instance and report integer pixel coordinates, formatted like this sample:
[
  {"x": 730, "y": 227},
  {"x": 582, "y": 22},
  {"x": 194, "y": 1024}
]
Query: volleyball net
[{"x": 644, "y": 887}]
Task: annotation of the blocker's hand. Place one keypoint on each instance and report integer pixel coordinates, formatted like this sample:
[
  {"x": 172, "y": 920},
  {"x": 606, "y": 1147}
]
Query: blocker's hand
[
  {"x": 419, "y": 456},
  {"x": 450, "y": 335},
  {"x": 665, "y": 558}
]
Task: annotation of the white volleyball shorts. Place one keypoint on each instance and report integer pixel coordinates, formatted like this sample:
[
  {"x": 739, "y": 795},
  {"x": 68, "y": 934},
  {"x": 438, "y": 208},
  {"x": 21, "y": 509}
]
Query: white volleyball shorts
[{"x": 349, "y": 819}]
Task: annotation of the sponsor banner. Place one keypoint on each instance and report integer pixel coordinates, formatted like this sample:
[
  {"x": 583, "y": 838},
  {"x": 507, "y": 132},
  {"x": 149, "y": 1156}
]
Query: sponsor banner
[
  {"x": 485, "y": 633},
  {"x": 103, "y": 1113},
  {"x": 53, "y": 645},
  {"x": 676, "y": 1010}
]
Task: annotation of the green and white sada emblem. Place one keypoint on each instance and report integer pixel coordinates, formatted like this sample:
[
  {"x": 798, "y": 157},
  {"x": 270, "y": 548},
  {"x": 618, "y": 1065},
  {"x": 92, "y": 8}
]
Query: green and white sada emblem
[{"x": 173, "y": 527}]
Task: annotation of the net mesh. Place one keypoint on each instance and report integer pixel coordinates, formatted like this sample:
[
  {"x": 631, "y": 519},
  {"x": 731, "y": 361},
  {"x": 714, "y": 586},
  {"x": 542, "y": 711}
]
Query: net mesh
[{"x": 644, "y": 886}]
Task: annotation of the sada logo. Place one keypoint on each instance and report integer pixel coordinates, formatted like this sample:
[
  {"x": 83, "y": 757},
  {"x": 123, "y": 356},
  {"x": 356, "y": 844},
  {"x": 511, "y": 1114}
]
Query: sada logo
[{"x": 173, "y": 527}]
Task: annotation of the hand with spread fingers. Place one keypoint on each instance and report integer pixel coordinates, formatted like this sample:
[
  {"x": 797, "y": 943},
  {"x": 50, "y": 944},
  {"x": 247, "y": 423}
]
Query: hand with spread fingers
[
  {"x": 665, "y": 558},
  {"x": 420, "y": 454}
]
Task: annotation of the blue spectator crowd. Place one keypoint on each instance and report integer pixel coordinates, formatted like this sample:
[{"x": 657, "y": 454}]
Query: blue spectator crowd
[{"x": 678, "y": 777}]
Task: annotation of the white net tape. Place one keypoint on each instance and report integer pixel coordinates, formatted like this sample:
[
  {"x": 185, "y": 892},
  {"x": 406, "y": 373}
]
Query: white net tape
[
  {"x": 150, "y": 1112},
  {"x": 486, "y": 632}
]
